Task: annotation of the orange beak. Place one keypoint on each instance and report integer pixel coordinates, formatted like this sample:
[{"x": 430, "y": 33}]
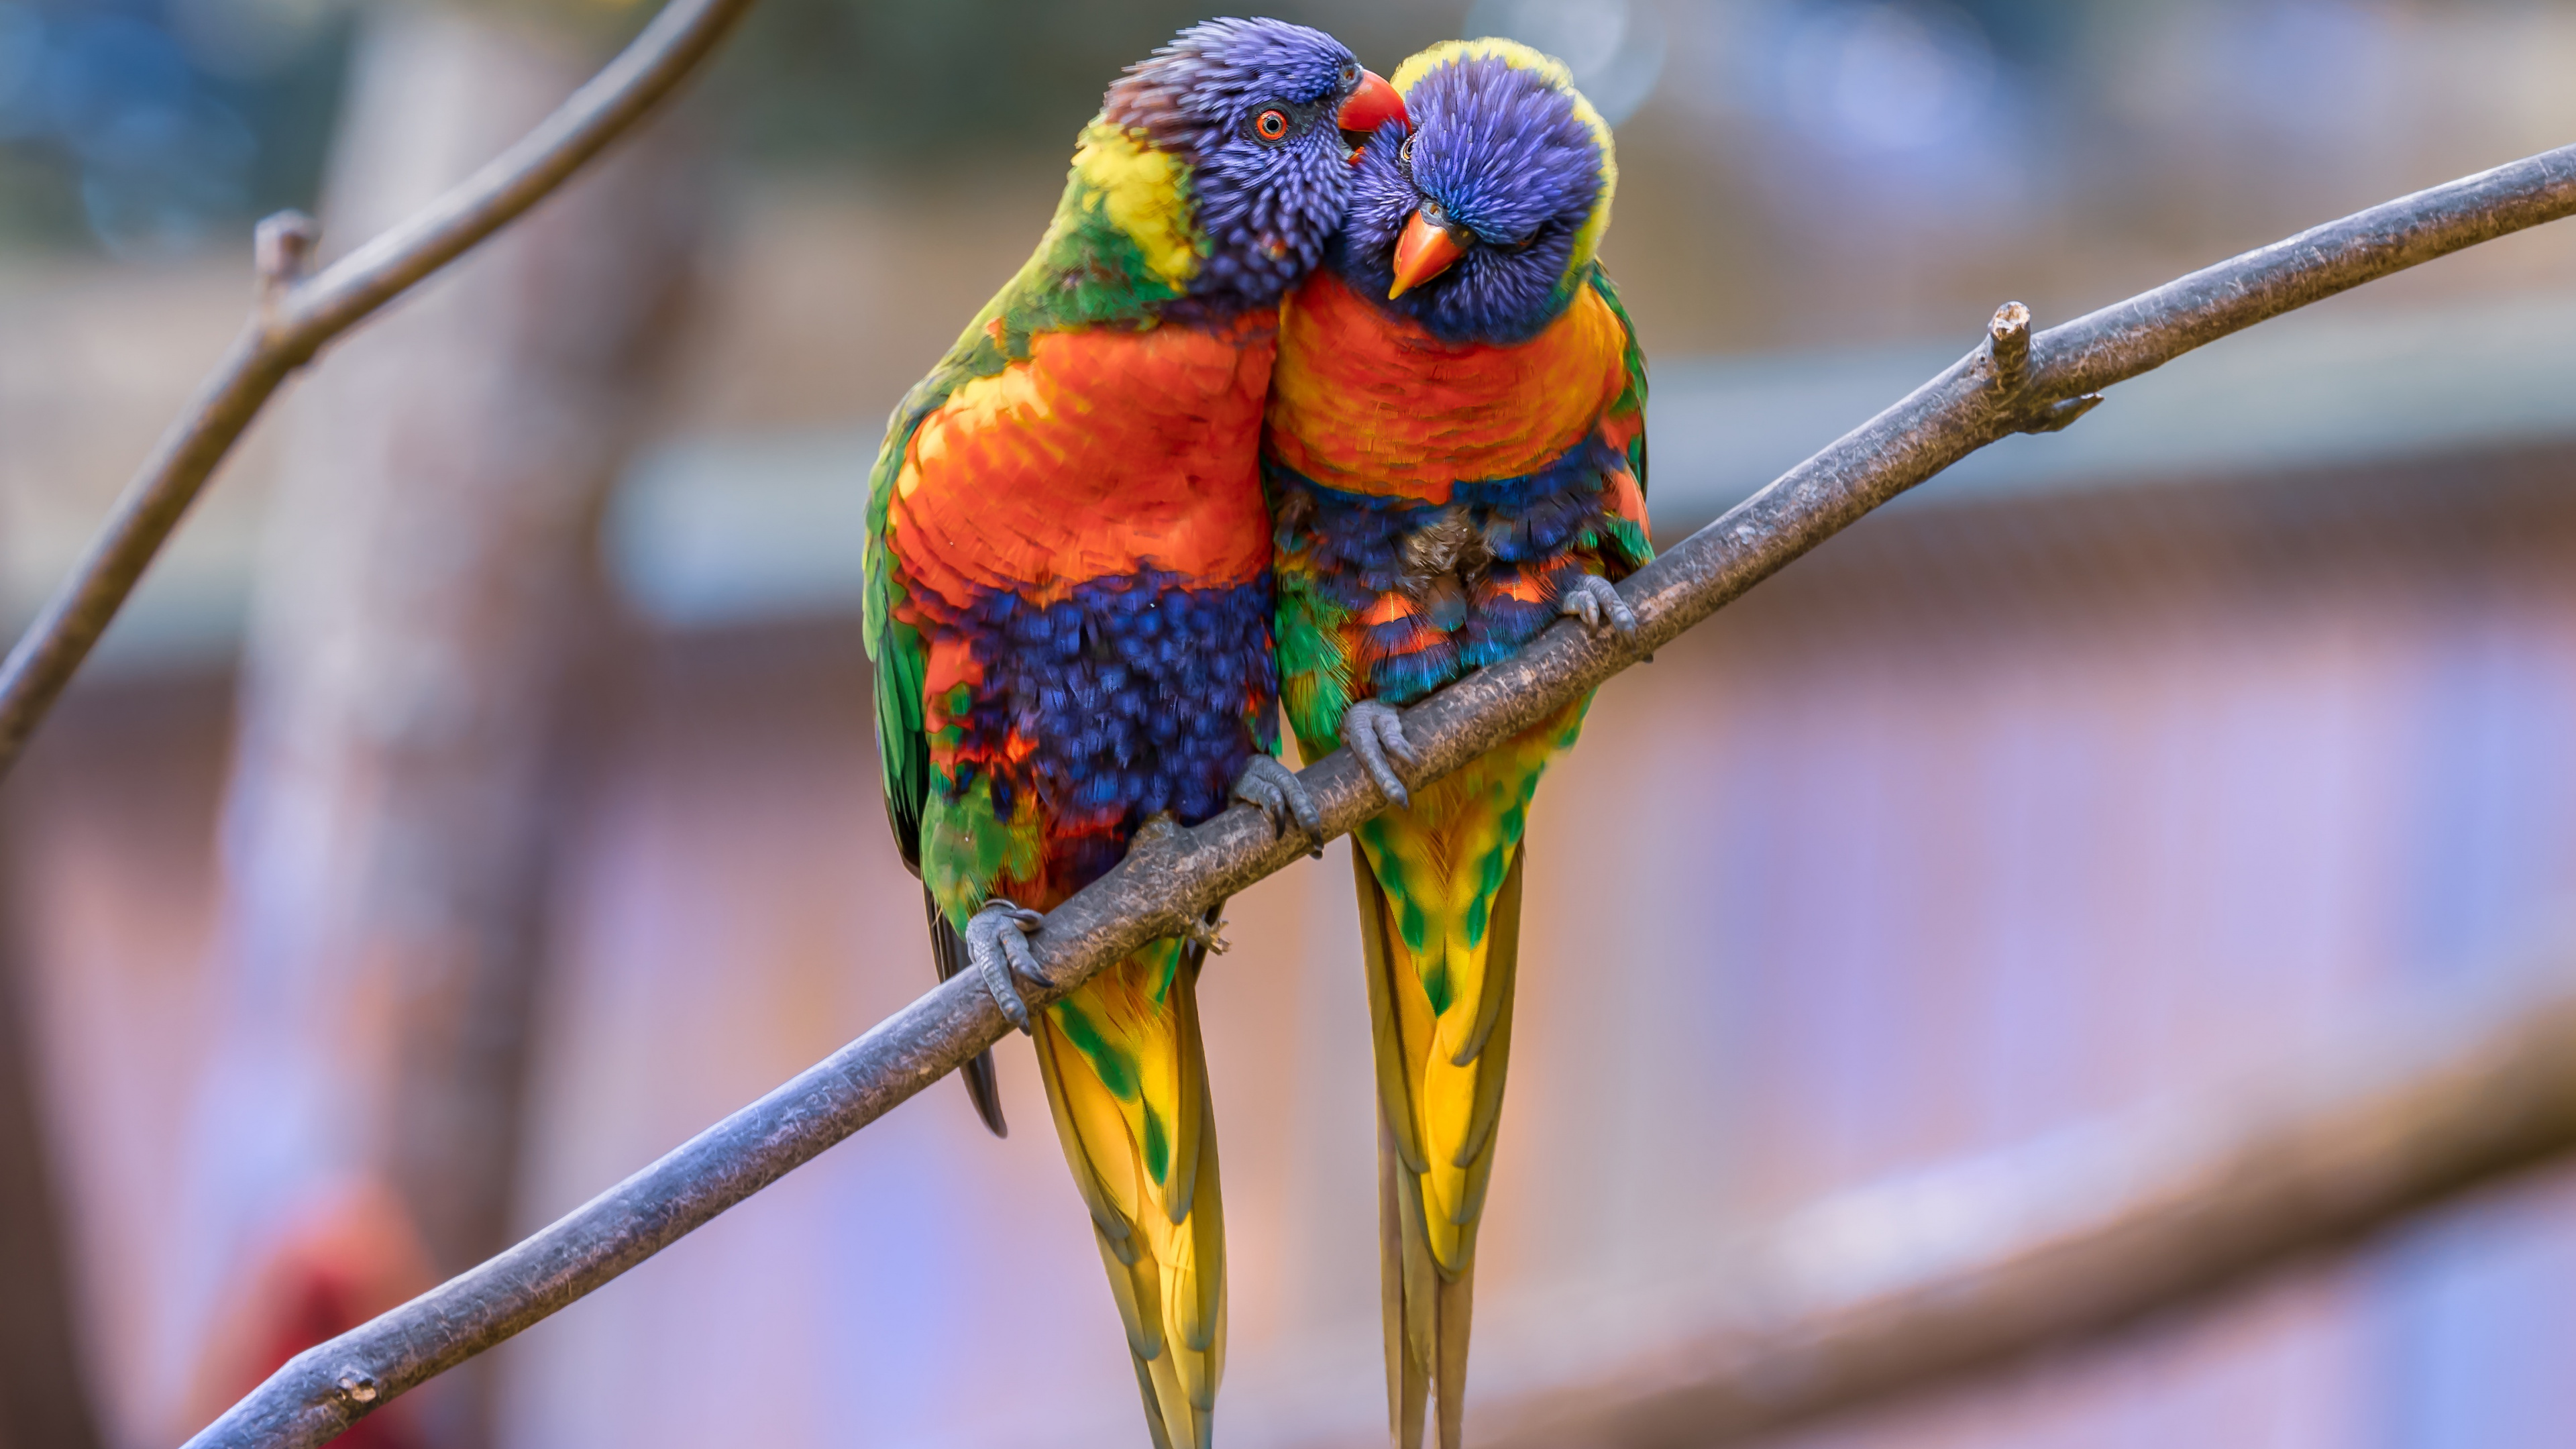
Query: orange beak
[
  {"x": 1372, "y": 104},
  {"x": 1424, "y": 252}
]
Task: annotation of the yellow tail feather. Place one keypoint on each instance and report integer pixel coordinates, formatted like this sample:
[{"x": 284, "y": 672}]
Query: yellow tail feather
[
  {"x": 1440, "y": 1081},
  {"x": 1126, "y": 1078}
]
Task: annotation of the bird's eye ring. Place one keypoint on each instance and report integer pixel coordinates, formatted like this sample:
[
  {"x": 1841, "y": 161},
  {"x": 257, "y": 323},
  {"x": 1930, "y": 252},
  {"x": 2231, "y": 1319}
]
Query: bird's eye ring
[
  {"x": 1350, "y": 75},
  {"x": 1271, "y": 125}
]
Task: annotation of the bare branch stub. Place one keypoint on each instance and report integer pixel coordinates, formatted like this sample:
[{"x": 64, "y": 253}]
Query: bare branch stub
[
  {"x": 281, "y": 249},
  {"x": 2008, "y": 343},
  {"x": 2008, "y": 358},
  {"x": 1157, "y": 891},
  {"x": 289, "y": 324}
]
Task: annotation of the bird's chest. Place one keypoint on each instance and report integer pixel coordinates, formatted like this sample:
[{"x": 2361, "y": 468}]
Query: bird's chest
[
  {"x": 1101, "y": 456},
  {"x": 1362, "y": 402}
]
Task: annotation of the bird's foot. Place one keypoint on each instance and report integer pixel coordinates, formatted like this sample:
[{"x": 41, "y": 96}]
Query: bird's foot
[
  {"x": 1595, "y": 601},
  {"x": 1273, "y": 789},
  {"x": 1208, "y": 935},
  {"x": 1372, "y": 731},
  {"x": 997, "y": 942}
]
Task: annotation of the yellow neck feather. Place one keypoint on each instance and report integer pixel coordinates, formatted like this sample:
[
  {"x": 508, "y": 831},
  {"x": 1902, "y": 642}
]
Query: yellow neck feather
[{"x": 1144, "y": 193}]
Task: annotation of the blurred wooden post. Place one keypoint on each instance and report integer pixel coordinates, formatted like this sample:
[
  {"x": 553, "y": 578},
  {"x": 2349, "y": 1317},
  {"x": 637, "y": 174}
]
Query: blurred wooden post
[
  {"x": 44, "y": 1396},
  {"x": 426, "y": 607}
]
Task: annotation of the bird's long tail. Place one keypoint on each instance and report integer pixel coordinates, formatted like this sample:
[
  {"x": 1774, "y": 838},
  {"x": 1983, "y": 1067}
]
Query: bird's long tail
[
  {"x": 1440, "y": 930},
  {"x": 1126, "y": 1077}
]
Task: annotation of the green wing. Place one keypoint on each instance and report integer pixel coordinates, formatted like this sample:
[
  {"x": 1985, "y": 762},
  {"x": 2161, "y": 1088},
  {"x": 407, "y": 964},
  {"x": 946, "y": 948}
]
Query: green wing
[
  {"x": 1627, "y": 536},
  {"x": 901, "y": 654},
  {"x": 903, "y": 751},
  {"x": 1632, "y": 401},
  {"x": 902, "y": 659}
]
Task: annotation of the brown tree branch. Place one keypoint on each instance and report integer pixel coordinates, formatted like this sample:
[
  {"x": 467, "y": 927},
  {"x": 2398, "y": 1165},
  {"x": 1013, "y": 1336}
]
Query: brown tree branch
[
  {"x": 1164, "y": 885},
  {"x": 1876, "y": 1292},
  {"x": 294, "y": 317}
]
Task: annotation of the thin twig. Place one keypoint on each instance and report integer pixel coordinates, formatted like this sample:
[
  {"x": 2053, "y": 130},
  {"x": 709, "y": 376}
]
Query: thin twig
[
  {"x": 293, "y": 319},
  {"x": 1161, "y": 888}
]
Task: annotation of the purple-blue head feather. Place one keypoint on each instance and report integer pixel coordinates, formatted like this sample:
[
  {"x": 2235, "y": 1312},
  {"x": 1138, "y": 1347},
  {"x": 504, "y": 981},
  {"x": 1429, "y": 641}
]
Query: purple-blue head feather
[
  {"x": 1266, "y": 203},
  {"x": 1513, "y": 163}
]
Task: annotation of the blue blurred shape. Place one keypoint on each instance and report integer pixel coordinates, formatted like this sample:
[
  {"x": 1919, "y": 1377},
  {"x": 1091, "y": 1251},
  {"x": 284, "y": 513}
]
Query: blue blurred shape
[
  {"x": 1614, "y": 47},
  {"x": 161, "y": 158},
  {"x": 22, "y": 48},
  {"x": 1910, "y": 78},
  {"x": 249, "y": 40}
]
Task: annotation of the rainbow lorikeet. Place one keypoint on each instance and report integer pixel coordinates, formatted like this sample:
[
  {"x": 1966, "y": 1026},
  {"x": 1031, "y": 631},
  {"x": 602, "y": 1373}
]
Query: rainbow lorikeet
[
  {"x": 1069, "y": 605},
  {"x": 1455, "y": 455}
]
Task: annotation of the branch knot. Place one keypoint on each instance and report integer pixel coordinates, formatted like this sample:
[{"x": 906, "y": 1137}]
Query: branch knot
[
  {"x": 2008, "y": 367},
  {"x": 281, "y": 250},
  {"x": 2008, "y": 347}
]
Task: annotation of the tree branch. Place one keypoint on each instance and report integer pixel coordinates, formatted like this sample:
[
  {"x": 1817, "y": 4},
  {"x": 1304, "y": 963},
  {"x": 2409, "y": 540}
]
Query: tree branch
[
  {"x": 1164, "y": 885},
  {"x": 1876, "y": 1292},
  {"x": 294, "y": 318}
]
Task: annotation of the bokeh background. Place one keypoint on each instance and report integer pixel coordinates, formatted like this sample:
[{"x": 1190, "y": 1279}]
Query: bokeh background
[{"x": 479, "y": 798}]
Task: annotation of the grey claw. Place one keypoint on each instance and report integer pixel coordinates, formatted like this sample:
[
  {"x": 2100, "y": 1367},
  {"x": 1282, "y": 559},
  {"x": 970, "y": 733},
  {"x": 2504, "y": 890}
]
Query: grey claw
[
  {"x": 1208, "y": 936},
  {"x": 997, "y": 942},
  {"x": 1273, "y": 789},
  {"x": 1592, "y": 599},
  {"x": 1372, "y": 731}
]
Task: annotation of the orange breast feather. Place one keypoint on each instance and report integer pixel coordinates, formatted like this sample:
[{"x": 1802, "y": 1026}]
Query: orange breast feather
[
  {"x": 1104, "y": 454},
  {"x": 1369, "y": 403}
]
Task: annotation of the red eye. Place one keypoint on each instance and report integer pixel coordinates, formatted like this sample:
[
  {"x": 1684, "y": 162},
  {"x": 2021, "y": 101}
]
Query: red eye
[{"x": 1271, "y": 124}]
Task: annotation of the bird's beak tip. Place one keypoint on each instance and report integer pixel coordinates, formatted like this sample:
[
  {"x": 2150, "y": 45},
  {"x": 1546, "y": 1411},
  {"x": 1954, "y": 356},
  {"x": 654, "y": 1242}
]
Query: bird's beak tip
[
  {"x": 1372, "y": 104},
  {"x": 1423, "y": 252}
]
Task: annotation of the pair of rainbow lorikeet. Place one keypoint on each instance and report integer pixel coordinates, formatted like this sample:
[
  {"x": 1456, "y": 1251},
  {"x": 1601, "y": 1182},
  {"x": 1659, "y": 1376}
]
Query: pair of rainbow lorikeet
[{"x": 1266, "y": 420}]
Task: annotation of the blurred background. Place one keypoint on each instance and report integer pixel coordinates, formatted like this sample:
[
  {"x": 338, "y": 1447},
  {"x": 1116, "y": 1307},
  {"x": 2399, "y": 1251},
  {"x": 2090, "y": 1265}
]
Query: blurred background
[{"x": 479, "y": 798}]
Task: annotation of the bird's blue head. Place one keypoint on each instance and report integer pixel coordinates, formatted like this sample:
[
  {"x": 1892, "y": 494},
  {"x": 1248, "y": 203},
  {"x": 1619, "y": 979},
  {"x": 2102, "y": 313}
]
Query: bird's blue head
[
  {"x": 1257, "y": 110},
  {"x": 1481, "y": 219}
]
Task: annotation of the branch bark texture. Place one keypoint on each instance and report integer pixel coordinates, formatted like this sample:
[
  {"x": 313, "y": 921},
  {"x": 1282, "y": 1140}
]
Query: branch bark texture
[
  {"x": 295, "y": 317},
  {"x": 1164, "y": 886}
]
